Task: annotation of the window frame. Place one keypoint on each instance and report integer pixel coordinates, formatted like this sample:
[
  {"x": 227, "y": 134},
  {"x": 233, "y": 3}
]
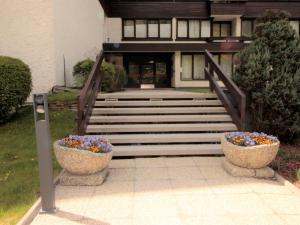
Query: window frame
[
  {"x": 193, "y": 74},
  {"x": 219, "y": 59},
  {"x": 220, "y": 24},
  {"x": 147, "y": 30},
  {"x": 188, "y": 38},
  {"x": 295, "y": 19},
  {"x": 252, "y": 20}
]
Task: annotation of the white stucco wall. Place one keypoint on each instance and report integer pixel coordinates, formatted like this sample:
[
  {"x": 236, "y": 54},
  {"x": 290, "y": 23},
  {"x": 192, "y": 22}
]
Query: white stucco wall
[
  {"x": 79, "y": 34},
  {"x": 26, "y": 32},
  {"x": 42, "y": 33}
]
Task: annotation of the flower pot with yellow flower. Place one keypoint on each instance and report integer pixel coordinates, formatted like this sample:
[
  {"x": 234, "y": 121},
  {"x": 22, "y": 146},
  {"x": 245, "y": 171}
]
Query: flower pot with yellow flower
[
  {"x": 249, "y": 150},
  {"x": 83, "y": 155}
]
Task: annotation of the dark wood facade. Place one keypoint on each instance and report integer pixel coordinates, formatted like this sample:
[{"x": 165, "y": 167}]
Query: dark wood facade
[
  {"x": 195, "y": 8},
  {"x": 173, "y": 47}
]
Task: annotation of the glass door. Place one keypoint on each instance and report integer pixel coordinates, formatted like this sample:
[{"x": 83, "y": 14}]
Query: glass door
[
  {"x": 147, "y": 74},
  {"x": 133, "y": 75}
]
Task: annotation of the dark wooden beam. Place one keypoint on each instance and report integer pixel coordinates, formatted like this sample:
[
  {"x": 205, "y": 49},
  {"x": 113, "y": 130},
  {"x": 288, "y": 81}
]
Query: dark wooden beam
[
  {"x": 104, "y": 5},
  {"x": 256, "y": 9},
  {"x": 173, "y": 47},
  {"x": 155, "y": 9},
  {"x": 200, "y": 9}
]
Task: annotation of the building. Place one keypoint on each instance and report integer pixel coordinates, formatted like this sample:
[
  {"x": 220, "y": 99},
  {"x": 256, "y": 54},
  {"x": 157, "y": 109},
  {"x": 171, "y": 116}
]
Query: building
[{"x": 160, "y": 43}]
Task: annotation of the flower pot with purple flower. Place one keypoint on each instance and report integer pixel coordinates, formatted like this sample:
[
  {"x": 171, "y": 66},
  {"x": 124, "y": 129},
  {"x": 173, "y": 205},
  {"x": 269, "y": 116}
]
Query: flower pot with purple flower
[
  {"x": 250, "y": 150},
  {"x": 83, "y": 155}
]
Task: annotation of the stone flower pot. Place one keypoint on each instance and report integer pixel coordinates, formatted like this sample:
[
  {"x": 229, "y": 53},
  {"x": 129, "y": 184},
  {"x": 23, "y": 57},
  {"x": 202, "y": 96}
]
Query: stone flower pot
[
  {"x": 253, "y": 157},
  {"x": 81, "y": 162}
]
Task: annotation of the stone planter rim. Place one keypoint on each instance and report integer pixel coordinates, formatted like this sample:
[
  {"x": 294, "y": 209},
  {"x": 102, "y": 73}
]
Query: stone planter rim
[
  {"x": 81, "y": 151},
  {"x": 243, "y": 148}
]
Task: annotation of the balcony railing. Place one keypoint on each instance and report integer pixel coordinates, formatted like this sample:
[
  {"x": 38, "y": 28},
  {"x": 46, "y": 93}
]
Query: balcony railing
[
  {"x": 88, "y": 94},
  {"x": 235, "y": 100}
]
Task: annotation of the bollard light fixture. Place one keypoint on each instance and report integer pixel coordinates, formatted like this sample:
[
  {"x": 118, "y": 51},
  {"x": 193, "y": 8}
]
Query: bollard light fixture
[{"x": 44, "y": 146}]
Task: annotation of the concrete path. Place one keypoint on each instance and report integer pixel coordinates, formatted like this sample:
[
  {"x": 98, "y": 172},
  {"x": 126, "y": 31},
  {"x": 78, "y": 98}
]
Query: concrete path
[{"x": 176, "y": 191}]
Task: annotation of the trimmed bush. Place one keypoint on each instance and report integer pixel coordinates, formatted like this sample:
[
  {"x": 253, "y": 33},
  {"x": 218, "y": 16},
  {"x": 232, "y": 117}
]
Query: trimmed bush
[
  {"x": 82, "y": 70},
  {"x": 268, "y": 71},
  {"x": 15, "y": 86},
  {"x": 114, "y": 77}
]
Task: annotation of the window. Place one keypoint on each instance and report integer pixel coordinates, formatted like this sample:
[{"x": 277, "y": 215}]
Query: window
[
  {"x": 226, "y": 62},
  {"x": 141, "y": 28},
  {"x": 296, "y": 25},
  {"x": 193, "y": 28},
  {"x": 182, "y": 28},
  {"x": 192, "y": 67},
  {"x": 165, "y": 28},
  {"x": 153, "y": 28},
  {"x": 147, "y": 29},
  {"x": 128, "y": 28},
  {"x": 221, "y": 29},
  {"x": 248, "y": 28}
]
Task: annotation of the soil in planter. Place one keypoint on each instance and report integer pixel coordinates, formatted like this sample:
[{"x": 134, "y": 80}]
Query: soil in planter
[{"x": 287, "y": 162}]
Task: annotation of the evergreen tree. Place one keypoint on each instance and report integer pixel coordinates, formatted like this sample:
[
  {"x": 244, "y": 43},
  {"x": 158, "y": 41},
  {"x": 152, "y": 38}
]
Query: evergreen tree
[{"x": 269, "y": 72}]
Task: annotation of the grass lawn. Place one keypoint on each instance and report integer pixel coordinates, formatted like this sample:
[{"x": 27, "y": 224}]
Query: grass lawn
[
  {"x": 19, "y": 183},
  {"x": 65, "y": 96}
]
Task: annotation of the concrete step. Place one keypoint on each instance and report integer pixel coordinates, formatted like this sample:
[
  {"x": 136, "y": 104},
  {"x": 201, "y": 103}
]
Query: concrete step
[
  {"x": 155, "y": 95},
  {"x": 172, "y": 149},
  {"x": 160, "y": 118},
  {"x": 159, "y": 110},
  {"x": 158, "y": 103},
  {"x": 135, "y": 128},
  {"x": 163, "y": 138}
]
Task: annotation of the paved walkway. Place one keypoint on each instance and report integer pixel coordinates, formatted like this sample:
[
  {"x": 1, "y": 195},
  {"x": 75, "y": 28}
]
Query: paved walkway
[{"x": 175, "y": 191}]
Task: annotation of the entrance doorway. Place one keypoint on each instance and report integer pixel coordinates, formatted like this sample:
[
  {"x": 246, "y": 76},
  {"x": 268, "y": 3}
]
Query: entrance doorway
[{"x": 148, "y": 69}]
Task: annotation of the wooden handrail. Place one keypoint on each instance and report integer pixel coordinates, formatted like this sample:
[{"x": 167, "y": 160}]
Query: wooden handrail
[
  {"x": 88, "y": 94},
  {"x": 238, "y": 113}
]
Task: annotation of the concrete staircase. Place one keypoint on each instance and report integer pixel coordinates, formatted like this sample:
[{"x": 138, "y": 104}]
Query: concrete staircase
[{"x": 160, "y": 122}]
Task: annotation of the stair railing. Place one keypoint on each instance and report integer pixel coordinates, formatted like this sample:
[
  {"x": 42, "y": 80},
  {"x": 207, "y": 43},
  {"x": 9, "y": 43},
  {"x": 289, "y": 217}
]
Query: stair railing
[
  {"x": 235, "y": 104},
  {"x": 88, "y": 94}
]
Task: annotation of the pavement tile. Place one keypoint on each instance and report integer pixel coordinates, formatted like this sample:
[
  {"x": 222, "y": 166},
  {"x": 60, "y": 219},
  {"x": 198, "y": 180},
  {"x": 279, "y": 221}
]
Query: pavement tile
[
  {"x": 229, "y": 186},
  {"x": 150, "y": 162},
  {"x": 115, "y": 188},
  {"x": 154, "y": 206},
  {"x": 67, "y": 198},
  {"x": 180, "y": 161},
  {"x": 155, "y": 220},
  {"x": 188, "y": 186},
  {"x": 175, "y": 191},
  {"x": 208, "y": 161},
  {"x": 151, "y": 174},
  {"x": 122, "y": 163},
  {"x": 282, "y": 204},
  {"x": 263, "y": 186},
  {"x": 258, "y": 220},
  {"x": 184, "y": 173},
  {"x": 291, "y": 219},
  {"x": 123, "y": 221},
  {"x": 153, "y": 187},
  {"x": 209, "y": 220},
  {"x": 195, "y": 205},
  {"x": 46, "y": 219},
  {"x": 215, "y": 172},
  {"x": 244, "y": 204},
  {"x": 110, "y": 207},
  {"x": 125, "y": 174}
]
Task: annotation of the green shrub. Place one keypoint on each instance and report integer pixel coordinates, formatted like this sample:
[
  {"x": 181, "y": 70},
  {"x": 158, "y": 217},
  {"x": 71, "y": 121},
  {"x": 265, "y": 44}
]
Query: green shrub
[
  {"x": 114, "y": 77},
  {"x": 15, "y": 86},
  {"x": 269, "y": 72},
  {"x": 82, "y": 70}
]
